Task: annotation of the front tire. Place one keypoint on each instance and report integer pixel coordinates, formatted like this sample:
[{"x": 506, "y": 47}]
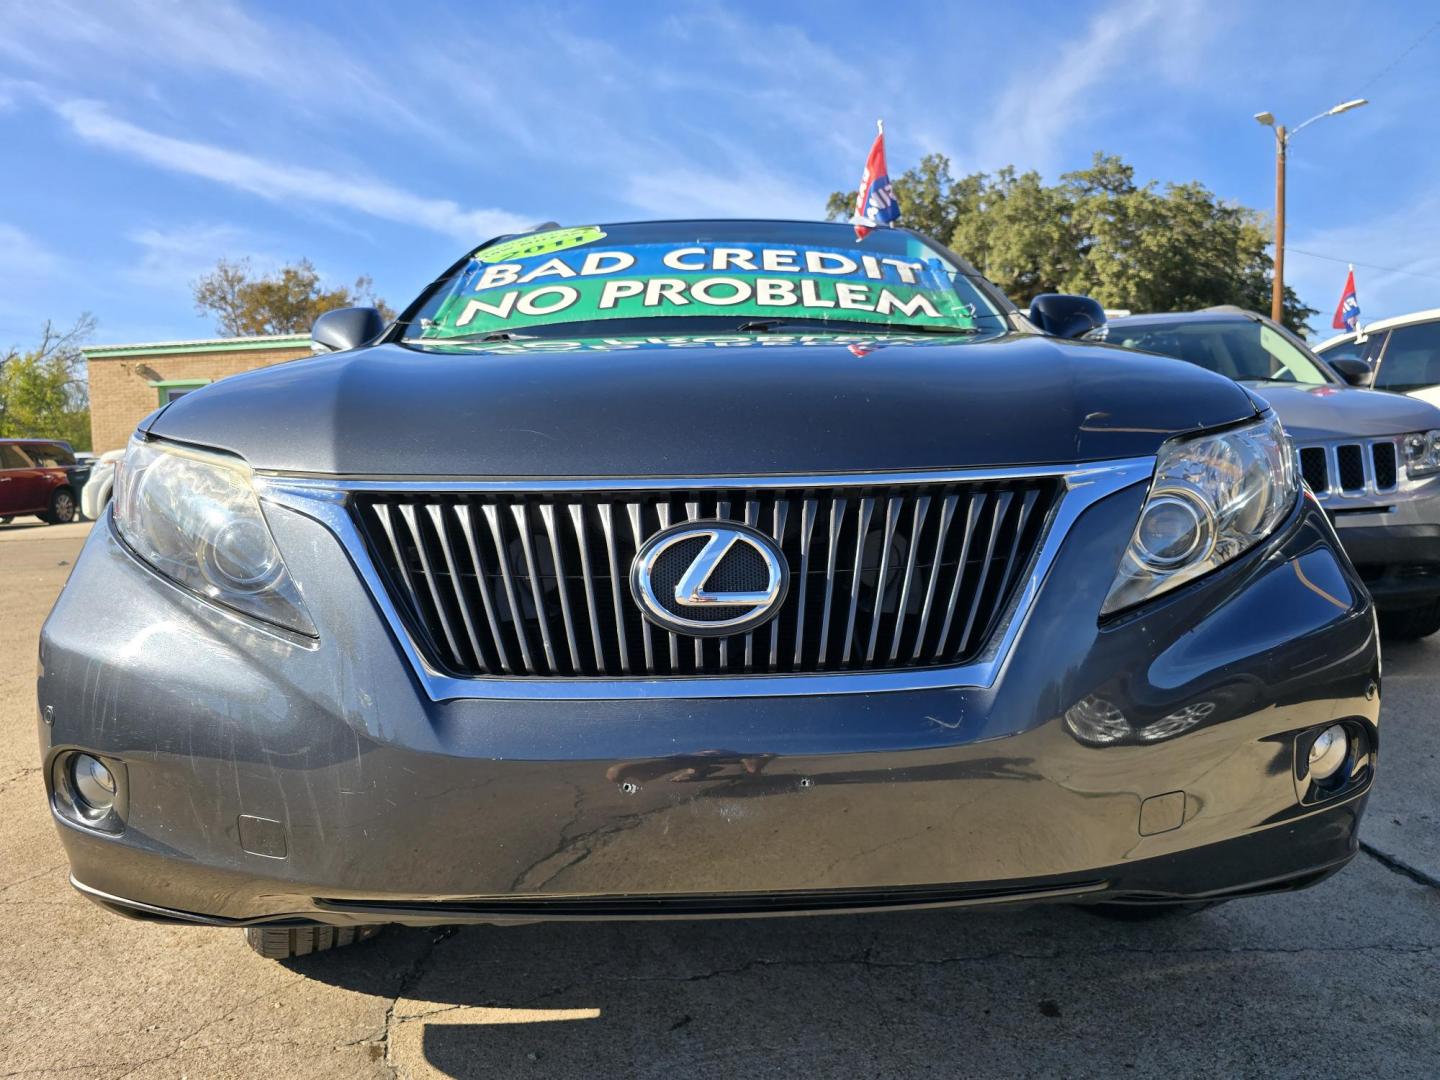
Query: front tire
[
  {"x": 1412, "y": 624},
  {"x": 288, "y": 942},
  {"x": 62, "y": 508}
]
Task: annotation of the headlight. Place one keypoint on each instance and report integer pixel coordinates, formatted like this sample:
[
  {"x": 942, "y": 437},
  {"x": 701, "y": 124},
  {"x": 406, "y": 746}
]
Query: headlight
[
  {"x": 195, "y": 518},
  {"x": 1213, "y": 498},
  {"x": 1422, "y": 453}
]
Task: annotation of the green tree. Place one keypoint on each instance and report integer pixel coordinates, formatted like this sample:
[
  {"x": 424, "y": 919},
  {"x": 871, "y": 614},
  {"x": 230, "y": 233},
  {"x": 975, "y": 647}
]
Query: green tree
[
  {"x": 43, "y": 391},
  {"x": 285, "y": 302},
  {"x": 1095, "y": 232}
]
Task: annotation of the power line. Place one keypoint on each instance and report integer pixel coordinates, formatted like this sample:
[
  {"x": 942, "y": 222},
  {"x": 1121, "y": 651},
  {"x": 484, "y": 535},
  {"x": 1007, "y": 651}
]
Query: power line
[
  {"x": 1368, "y": 266},
  {"x": 1394, "y": 63}
]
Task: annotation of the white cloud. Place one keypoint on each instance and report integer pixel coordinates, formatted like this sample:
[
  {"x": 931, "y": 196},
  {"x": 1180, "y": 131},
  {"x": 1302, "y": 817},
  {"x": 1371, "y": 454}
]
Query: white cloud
[
  {"x": 312, "y": 70},
  {"x": 171, "y": 259},
  {"x": 1124, "y": 44},
  {"x": 22, "y": 256},
  {"x": 281, "y": 181},
  {"x": 682, "y": 192}
]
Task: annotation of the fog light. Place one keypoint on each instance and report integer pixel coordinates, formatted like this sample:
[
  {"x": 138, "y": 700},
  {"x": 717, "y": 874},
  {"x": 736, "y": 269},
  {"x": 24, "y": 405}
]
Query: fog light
[
  {"x": 1328, "y": 752},
  {"x": 94, "y": 784}
]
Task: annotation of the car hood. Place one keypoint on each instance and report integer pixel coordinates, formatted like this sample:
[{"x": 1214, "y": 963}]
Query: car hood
[
  {"x": 744, "y": 405},
  {"x": 1330, "y": 412}
]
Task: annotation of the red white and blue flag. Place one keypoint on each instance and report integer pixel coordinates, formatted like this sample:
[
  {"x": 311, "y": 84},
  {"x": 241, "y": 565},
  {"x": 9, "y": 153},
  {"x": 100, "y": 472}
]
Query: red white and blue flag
[
  {"x": 875, "y": 205},
  {"x": 1347, "y": 314}
]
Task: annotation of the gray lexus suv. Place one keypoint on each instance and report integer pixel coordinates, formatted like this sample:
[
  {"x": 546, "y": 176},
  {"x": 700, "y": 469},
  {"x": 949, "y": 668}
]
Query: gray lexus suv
[{"x": 708, "y": 568}]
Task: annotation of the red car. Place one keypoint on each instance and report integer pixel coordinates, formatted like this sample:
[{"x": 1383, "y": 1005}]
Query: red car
[{"x": 35, "y": 478}]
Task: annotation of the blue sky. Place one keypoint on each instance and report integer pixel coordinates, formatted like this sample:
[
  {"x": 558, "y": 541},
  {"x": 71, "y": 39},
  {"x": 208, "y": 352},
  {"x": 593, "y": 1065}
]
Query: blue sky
[{"x": 143, "y": 140}]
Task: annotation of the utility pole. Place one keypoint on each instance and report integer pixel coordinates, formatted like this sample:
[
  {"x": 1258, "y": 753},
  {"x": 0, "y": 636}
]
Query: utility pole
[
  {"x": 1277, "y": 284},
  {"x": 1282, "y": 145}
]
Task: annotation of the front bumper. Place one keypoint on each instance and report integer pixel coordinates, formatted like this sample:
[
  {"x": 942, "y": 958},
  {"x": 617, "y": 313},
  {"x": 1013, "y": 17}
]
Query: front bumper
[
  {"x": 378, "y": 804},
  {"x": 1400, "y": 564}
]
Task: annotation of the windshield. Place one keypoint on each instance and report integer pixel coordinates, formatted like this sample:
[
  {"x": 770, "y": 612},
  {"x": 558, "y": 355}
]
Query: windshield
[
  {"x": 646, "y": 278},
  {"x": 1242, "y": 349}
]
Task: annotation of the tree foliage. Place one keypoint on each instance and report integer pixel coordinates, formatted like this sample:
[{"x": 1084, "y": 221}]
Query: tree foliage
[
  {"x": 1096, "y": 232},
  {"x": 43, "y": 392},
  {"x": 288, "y": 301}
]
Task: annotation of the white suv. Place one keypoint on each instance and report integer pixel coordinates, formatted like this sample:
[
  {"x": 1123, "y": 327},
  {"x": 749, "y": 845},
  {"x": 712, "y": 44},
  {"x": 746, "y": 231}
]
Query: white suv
[{"x": 1403, "y": 353}]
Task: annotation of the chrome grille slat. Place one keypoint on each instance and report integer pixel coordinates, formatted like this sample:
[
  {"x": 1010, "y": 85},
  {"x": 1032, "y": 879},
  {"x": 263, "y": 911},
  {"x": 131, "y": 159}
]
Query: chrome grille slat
[
  {"x": 607, "y": 526},
  {"x": 537, "y": 584},
  {"x": 973, "y": 509},
  {"x": 1002, "y": 506},
  {"x": 407, "y": 515},
  {"x": 537, "y": 588},
  {"x": 808, "y": 514},
  {"x": 892, "y": 514},
  {"x": 638, "y": 532},
  {"x": 867, "y": 508},
  {"x": 547, "y": 515},
  {"x": 837, "y": 521},
  {"x": 947, "y": 515},
  {"x": 507, "y": 578},
  {"x": 782, "y": 513},
  {"x": 922, "y": 507},
  {"x": 467, "y": 530},
  {"x": 577, "y": 519},
  {"x": 437, "y": 519}
]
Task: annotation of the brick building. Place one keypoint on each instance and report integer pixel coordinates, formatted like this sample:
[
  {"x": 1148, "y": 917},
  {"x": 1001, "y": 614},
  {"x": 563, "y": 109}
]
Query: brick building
[{"x": 127, "y": 382}]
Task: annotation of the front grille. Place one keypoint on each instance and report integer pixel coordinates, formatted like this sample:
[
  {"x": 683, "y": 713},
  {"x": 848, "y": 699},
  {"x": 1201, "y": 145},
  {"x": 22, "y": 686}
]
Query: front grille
[
  {"x": 1352, "y": 467},
  {"x": 1385, "y": 464},
  {"x": 900, "y": 576},
  {"x": 1312, "y": 464}
]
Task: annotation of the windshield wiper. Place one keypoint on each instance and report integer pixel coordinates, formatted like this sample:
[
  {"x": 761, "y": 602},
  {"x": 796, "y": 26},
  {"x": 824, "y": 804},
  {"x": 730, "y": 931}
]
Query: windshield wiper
[
  {"x": 470, "y": 339},
  {"x": 841, "y": 327}
]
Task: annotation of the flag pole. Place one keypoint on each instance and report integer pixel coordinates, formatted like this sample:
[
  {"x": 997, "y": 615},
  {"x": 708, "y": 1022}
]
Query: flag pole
[{"x": 880, "y": 124}]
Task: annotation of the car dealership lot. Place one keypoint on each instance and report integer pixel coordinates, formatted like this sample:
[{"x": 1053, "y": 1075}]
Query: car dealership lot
[{"x": 1335, "y": 980}]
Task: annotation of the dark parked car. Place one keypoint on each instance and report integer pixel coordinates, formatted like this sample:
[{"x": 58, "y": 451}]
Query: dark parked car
[
  {"x": 1372, "y": 458},
  {"x": 705, "y": 568},
  {"x": 40, "y": 477}
]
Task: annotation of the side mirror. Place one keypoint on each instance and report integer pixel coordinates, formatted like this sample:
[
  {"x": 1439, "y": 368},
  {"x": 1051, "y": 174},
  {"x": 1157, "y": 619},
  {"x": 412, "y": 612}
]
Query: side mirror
[
  {"x": 1353, "y": 370},
  {"x": 346, "y": 328},
  {"x": 1064, "y": 316}
]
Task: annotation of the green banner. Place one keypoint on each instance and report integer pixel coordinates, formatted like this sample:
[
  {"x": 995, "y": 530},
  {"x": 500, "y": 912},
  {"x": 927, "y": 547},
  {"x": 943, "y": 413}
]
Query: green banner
[{"x": 551, "y": 302}]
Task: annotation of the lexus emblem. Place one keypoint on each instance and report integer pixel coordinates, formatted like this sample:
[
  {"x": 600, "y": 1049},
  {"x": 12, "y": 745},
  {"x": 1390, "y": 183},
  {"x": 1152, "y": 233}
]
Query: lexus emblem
[{"x": 709, "y": 578}]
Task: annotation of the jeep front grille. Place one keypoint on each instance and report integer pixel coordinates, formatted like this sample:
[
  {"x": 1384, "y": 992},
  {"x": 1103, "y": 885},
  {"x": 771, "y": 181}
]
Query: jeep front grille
[
  {"x": 1348, "y": 468},
  {"x": 882, "y": 577}
]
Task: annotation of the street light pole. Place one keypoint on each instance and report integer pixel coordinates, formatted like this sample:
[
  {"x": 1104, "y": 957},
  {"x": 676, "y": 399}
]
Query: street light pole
[
  {"x": 1277, "y": 283},
  {"x": 1282, "y": 145}
]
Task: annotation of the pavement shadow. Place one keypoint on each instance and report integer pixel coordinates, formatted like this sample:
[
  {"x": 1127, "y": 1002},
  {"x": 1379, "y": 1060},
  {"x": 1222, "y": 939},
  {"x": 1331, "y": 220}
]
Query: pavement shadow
[{"x": 828, "y": 994}]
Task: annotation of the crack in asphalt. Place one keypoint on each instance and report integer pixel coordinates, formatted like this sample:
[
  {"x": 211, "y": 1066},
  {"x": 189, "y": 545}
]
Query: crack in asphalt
[
  {"x": 407, "y": 982},
  {"x": 39, "y": 873},
  {"x": 1399, "y": 866},
  {"x": 16, "y": 778}
]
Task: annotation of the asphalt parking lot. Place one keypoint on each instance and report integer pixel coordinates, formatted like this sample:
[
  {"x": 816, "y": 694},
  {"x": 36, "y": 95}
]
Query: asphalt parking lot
[{"x": 1337, "y": 980}]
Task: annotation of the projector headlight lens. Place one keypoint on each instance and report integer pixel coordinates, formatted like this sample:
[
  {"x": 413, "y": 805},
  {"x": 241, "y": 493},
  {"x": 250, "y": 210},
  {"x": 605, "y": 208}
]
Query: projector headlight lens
[
  {"x": 1213, "y": 498},
  {"x": 196, "y": 519}
]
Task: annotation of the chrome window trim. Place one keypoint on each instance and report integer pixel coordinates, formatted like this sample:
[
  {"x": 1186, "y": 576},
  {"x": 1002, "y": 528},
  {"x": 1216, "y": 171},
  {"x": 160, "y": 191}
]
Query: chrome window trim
[{"x": 326, "y": 500}]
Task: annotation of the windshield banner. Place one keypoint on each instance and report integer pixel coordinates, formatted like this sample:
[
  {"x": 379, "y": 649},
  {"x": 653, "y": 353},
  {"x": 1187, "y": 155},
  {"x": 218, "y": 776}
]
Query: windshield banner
[{"x": 639, "y": 281}]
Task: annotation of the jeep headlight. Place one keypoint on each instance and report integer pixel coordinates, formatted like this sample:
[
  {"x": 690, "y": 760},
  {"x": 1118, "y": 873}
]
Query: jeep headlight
[
  {"x": 195, "y": 518},
  {"x": 1422, "y": 453},
  {"x": 1213, "y": 498}
]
